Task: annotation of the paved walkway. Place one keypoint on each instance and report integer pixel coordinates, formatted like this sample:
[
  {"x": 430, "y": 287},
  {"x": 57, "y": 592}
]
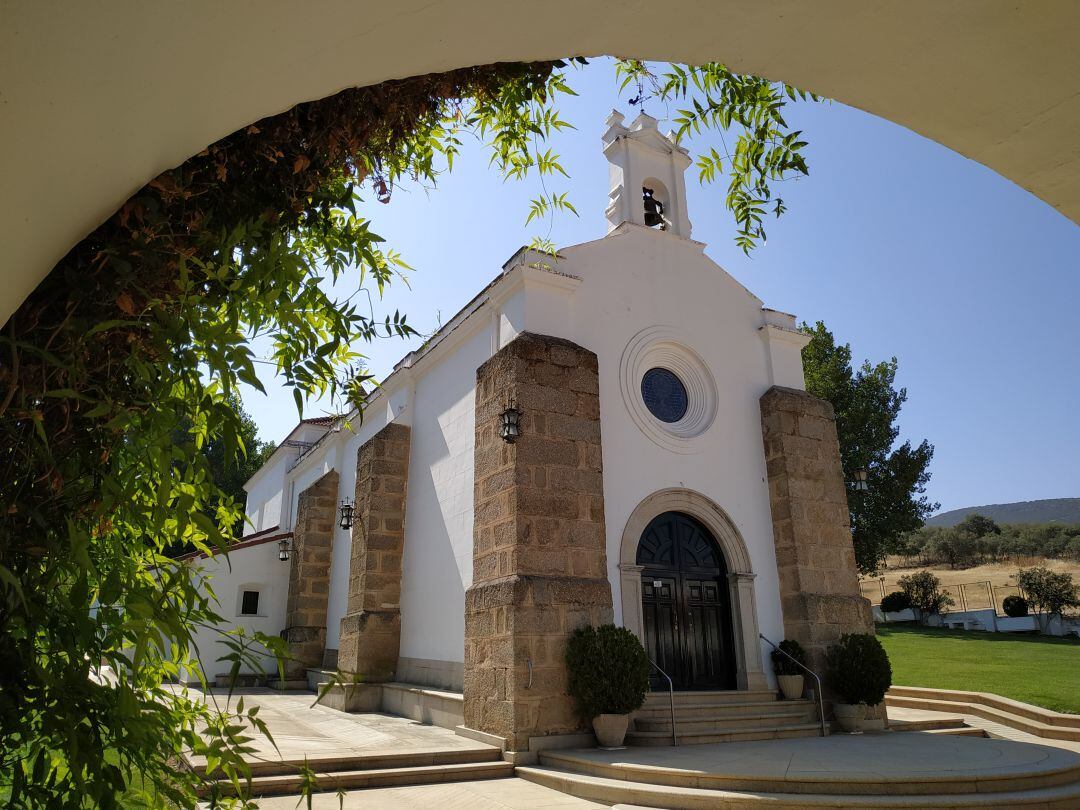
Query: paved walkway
[
  {"x": 997, "y": 730},
  {"x": 492, "y": 794},
  {"x": 874, "y": 758},
  {"x": 318, "y": 733}
]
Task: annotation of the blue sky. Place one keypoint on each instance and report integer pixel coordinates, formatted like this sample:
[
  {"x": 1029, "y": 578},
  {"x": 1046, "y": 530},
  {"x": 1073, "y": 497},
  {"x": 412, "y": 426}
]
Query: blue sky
[{"x": 899, "y": 245}]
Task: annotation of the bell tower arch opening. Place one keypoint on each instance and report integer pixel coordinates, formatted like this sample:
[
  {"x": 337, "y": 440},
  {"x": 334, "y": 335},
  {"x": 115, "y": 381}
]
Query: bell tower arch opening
[
  {"x": 647, "y": 176},
  {"x": 655, "y": 202}
]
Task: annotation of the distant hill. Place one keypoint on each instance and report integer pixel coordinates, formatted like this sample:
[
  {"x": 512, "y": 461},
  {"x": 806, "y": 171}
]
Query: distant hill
[{"x": 1053, "y": 510}]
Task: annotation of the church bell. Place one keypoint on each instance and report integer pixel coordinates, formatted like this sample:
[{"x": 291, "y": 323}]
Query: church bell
[{"x": 654, "y": 209}]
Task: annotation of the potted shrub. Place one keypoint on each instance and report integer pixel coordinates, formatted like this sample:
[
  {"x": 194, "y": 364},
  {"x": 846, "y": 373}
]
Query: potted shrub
[
  {"x": 857, "y": 668},
  {"x": 608, "y": 676},
  {"x": 789, "y": 675}
]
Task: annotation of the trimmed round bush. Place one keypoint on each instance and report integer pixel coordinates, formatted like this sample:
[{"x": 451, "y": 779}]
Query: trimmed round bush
[
  {"x": 782, "y": 665},
  {"x": 607, "y": 670},
  {"x": 895, "y": 602},
  {"x": 858, "y": 670},
  {"x": 1015, "y": 606}
]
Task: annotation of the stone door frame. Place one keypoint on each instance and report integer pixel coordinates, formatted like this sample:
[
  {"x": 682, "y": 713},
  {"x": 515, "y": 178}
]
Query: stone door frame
[{"x": 749, "y": 673}]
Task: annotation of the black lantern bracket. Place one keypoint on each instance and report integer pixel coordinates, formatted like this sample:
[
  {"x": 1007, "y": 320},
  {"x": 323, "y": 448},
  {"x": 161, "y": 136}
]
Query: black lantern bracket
[
  {"x": 511, "y": 423},
  {"x": 347, "y": 510},
  {"x": 861, "y": 484},
  {"x": 284, "y": 549}
]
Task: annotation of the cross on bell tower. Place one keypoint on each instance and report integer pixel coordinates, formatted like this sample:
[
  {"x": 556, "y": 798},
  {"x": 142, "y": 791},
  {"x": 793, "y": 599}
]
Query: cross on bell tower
[{"x": 648, "y": 186}]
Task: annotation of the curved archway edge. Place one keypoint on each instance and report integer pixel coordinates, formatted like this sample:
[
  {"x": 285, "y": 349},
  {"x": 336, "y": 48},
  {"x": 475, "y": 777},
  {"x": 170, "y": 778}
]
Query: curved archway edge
[
  {"x": 993, "y": 80},
  {"x": 749, "y": 671}
]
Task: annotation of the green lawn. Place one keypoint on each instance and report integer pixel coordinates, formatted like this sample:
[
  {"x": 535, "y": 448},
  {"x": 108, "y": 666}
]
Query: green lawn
[{"x": 1035, "y": 669}]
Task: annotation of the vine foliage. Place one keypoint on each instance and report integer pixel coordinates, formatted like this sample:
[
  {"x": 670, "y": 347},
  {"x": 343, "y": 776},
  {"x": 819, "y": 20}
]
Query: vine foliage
[
  {"x": 123, "y": 366},
  {"x": 118, "y": 370}
]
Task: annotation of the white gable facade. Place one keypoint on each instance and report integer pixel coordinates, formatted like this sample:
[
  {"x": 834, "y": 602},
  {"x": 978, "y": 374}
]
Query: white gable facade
[{"x": 671, "y": 476}]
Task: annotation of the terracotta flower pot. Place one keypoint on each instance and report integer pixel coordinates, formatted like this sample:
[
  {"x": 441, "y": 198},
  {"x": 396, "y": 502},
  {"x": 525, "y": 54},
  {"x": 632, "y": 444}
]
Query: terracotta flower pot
[
  {"x": 849, "y": 716},
  {"x": 610, "y": 729},
  {"x": 791, "y": 686}
]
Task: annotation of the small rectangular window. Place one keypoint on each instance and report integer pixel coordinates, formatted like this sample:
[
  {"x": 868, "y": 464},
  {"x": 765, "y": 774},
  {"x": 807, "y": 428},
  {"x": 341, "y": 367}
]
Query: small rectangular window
[{"x": 249, "y": 605}]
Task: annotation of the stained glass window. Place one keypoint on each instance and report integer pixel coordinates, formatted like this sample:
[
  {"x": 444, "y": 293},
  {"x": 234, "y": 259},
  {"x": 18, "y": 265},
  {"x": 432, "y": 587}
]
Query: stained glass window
[{"x": 664, "y": 395}]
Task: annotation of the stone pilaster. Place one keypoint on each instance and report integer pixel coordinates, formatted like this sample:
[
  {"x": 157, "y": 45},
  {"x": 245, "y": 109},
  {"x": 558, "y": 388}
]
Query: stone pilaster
[
  {"x": 371, "y": 627},
  {"x": 539, "y": 560},
  {"x": 819, "y": 582},
  {"x": 309, "y": 575}
]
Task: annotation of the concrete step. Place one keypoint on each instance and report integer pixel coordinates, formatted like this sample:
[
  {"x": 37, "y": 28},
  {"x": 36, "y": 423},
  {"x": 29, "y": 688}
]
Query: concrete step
[
  {"x": 639, "y": 796},
  {"x": 317, "y": 677},
  {"x": 673, "y": 770},
  {"x": 711, "y": 698},
  {"x": 702, "y": 711},
  {"x": 963, "y": 731},
  {"x": 1014, "y": 707},
  {"x": 294, "y": 685},
  {"x": 727, "y": 722},
  {"x": 288, "y": 784},
  {"x": 374, "y": 762},
  {"x": 1040, "y": 729},
  {"x": 703, "y": 736},
  {"x": 925, "y": 723}
]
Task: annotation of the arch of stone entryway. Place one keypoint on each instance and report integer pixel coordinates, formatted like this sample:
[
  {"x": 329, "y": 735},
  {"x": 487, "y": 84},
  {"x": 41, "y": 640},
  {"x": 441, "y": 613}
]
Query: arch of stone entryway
[
  {"x": 749, "y": 672},
  {"x": 1003, "y": 76}
]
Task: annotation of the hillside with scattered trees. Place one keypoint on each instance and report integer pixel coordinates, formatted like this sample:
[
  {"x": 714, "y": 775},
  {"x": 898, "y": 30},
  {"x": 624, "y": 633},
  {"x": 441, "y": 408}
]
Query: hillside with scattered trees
[
  {"x": 979, "y": 539},
  {"x": 1052, "y": 510}
]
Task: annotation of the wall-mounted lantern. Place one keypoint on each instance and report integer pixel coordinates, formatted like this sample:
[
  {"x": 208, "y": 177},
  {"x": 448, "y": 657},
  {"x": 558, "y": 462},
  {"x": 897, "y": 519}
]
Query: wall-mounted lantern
[
  {"x": 511, "y": 423},
  {"x": 347, "y": 510},
  {"x": 284, "y": 548},
  {"x": 860, "y": 481}
]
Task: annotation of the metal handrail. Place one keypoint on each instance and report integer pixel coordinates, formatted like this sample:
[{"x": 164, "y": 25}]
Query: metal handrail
[
  {"x": 821, "y": 701},
  {"x": 671, "y": 696}
]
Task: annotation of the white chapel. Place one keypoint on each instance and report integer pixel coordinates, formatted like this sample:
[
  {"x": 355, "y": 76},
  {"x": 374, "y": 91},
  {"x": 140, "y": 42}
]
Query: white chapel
[{"x": 619, "y": 434}]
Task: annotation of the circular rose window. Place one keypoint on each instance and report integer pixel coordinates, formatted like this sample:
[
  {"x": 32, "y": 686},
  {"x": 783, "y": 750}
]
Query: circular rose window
[
  {"x": 664, "y": 395},
  {"x": 667, "y": 388}
]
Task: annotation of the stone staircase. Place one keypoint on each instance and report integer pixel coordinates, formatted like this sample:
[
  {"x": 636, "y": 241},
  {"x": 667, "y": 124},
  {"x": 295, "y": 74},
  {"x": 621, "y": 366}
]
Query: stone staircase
[
  {"x": 872, "y": 771},
  {"x": 993, "y": 708},
  {"x": 380, "y": 770},
  {"x": 722, "y": 716}
]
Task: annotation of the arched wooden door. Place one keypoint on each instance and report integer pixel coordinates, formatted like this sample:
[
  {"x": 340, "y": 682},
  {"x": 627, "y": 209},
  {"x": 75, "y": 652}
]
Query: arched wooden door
[{"x": 686, "y": 610}]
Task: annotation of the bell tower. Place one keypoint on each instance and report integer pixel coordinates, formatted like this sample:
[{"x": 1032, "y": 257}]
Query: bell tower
[{"x": 646, "y": 170}]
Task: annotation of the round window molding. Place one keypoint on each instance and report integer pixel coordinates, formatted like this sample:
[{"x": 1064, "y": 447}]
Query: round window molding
[{"x": 661, "y": 352}]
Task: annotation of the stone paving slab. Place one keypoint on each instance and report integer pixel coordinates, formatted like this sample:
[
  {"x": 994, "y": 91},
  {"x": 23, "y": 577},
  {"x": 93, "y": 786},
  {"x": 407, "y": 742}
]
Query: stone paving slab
[
  {"x": 495, "y": 794},
  {"x": 879, "y": 758},
  {"x": 1004, "y": 732},
  {"x": 316, "y": 732},
  {"x": 899, "y": 716}
]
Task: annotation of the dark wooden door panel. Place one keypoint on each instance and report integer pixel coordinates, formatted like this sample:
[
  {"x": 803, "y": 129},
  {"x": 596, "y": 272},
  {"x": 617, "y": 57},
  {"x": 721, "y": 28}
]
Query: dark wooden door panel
[
  {"x": 685, "y": 608},
  {"x": 707, "y": 652},
  {"x": 660, "y": 615}
]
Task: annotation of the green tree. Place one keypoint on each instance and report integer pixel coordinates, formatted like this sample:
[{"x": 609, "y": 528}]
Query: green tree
[
  {"x": 978, "y": 525},
  {"x": 1050, "y": 593},
  {"x": 229, "y": 470},
  {"x": 867, "y": 404},
  {"x": 925, "y": 593}
]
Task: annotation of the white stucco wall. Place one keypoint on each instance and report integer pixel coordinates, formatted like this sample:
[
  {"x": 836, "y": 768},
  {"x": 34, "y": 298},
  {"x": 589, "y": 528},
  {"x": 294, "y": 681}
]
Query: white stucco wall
[
  {"x": 637, "y": 278},
  {"x": 437, "y": 565},
  {"x": 265, "y": 493},
  {"x": 340, "y": 454},
  {"x": 269, "y": 501},
  {"x": 253, "y": 568}
]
